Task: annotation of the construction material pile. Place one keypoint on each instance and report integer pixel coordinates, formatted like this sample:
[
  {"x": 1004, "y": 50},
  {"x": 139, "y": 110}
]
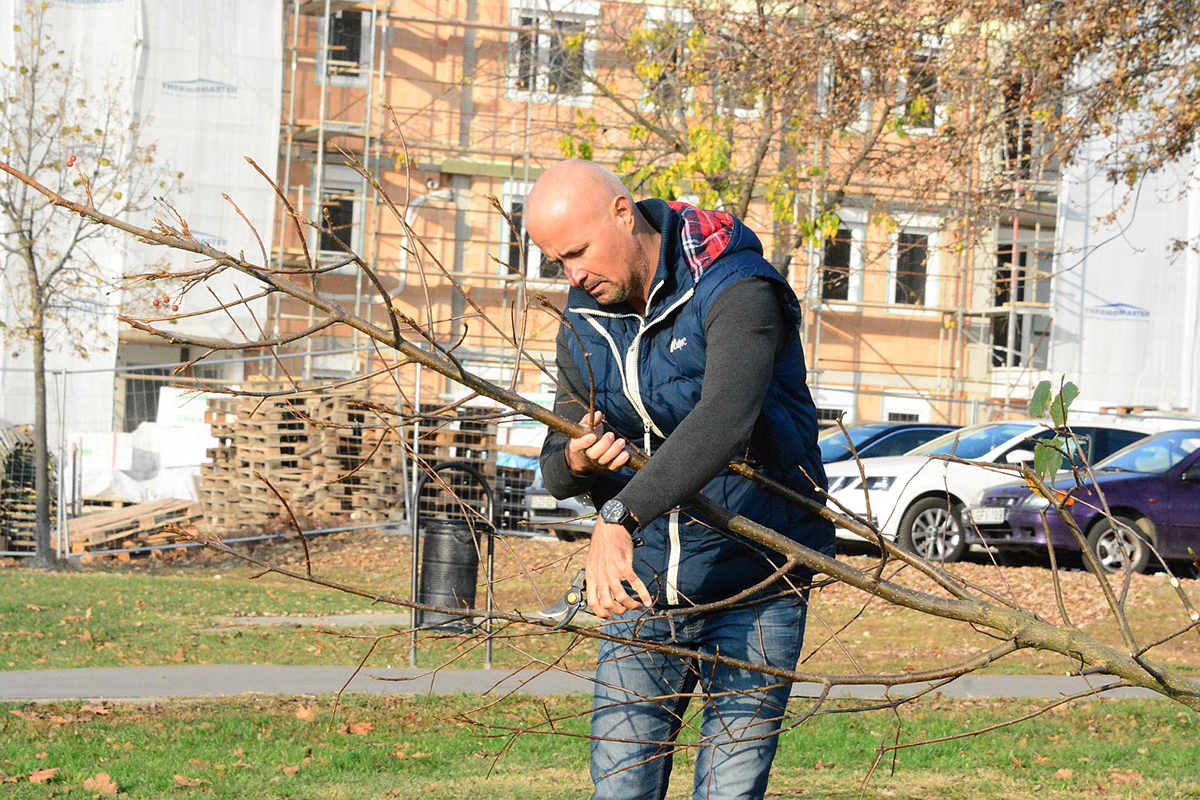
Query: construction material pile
[
  {"x": 330, "y": 455},
  {"x": 137, "y": 525},
  {"x": 18, "y": 497}
]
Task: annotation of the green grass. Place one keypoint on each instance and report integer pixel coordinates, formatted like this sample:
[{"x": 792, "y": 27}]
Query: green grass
[
  {"x": 422, "y": 748},
  {"x": 158, "y": 613}
]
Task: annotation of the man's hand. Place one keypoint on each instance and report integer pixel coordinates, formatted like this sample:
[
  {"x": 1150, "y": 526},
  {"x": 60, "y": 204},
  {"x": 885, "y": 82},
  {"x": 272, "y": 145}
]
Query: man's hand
[
  {"x": 610, "y": 561},
  {"x": 596, "y": 451}
]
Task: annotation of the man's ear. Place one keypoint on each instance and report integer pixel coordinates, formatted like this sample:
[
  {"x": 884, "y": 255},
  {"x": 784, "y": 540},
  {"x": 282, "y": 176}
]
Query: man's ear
[{"x": 623, "y": 212}]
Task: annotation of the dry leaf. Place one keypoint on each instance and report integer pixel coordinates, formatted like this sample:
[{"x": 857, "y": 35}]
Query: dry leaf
[
  {"x": 101, "y": 785},
  {"x": 42, "y": 775},
  {"x": 178, "y": 657},
  {"x": 306, "y": 712},
  {"x": 290, "y": 770},
  {"x": 189, "y": 782},
  {"x": 42, "y": 754},
  {"x": 195, "y": 762},
  {"x": 360, "y": 728},
  {"x": 1065, "y": 774},
  {"x": 1131, "y": 776},
  {"x": 1016, "y": 761},
  {"x": 101, "y": 710}
]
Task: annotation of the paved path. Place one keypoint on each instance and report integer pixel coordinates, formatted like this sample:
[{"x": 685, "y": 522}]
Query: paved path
[{"x": 219, "y": 680}]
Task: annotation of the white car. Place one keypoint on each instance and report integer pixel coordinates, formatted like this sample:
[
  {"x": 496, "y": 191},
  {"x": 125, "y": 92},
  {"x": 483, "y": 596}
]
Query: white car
[{"x": 917, "y": 500}]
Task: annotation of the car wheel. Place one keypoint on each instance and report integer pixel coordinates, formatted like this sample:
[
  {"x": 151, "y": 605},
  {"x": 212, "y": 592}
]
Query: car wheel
[
  {"x": 932, "y": 528},
  {"x": 1116, "y": 545}
]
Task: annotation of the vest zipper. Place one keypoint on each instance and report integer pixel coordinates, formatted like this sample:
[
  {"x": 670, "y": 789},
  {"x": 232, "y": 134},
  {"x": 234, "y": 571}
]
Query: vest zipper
[
  {"x": 673, "y": 553},
  {"x": 631, "y": 386}
]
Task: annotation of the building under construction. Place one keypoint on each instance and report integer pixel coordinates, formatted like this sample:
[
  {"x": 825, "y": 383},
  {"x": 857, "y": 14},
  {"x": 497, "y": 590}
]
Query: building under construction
[{"x": 448, "y": 104}]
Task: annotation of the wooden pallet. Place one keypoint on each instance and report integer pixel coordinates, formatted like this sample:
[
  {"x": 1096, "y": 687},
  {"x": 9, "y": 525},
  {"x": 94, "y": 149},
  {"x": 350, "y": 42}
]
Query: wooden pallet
[
  {"x": 304, "y": 444},
  {"x": 134, "y": 526}
]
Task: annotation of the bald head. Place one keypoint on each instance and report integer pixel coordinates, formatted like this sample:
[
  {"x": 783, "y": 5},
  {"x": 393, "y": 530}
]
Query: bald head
[
  {"x": 580, "y": 215},
  {"x": 573, "y": 190}
]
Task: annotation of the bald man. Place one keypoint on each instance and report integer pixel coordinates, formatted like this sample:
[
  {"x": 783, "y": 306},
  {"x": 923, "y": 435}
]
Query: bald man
[{"x": 692, "y": 341}]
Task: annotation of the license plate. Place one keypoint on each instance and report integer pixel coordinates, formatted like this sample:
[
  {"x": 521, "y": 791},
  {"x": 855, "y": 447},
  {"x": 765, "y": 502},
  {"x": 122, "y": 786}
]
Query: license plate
[
  {"x": 542, "y": 501},
  {"x": 988, "y": 516}
]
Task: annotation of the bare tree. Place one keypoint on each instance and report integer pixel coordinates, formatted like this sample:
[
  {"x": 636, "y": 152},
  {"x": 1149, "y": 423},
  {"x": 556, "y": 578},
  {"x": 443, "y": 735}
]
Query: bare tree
[{"x": 75, "y": 137}]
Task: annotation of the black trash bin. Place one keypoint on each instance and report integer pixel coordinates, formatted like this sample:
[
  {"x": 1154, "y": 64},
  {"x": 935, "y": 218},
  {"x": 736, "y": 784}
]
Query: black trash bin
[{"x": 449, "y": 571}]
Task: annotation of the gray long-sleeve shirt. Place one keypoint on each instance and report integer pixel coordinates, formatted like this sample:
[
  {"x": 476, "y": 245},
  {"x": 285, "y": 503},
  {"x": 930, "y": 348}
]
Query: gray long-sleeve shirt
[{"x": 744, "y": 333}]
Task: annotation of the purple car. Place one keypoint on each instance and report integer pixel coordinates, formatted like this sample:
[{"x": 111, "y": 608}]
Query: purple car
[{"x": 1152, "y": 489}]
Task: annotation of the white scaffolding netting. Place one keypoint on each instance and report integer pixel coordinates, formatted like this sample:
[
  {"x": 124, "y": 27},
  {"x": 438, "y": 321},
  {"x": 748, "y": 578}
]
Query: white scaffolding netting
[{"x": 1126, "y": 326}]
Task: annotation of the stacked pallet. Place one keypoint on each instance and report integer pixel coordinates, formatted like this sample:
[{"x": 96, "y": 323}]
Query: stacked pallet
[
  {"x": 18, "y": 497},
  {"x": 138, "y": 525},
  {"x": 330, "y": 457}
]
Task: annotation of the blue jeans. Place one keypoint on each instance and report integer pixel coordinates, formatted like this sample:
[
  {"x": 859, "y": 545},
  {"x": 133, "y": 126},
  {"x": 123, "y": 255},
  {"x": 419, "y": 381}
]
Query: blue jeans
[{"x": 642, "y": 696}]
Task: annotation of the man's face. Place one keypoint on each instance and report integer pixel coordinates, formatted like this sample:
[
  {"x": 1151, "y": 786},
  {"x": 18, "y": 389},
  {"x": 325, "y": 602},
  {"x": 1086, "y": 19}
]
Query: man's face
[{"x": 597, "y": 251}]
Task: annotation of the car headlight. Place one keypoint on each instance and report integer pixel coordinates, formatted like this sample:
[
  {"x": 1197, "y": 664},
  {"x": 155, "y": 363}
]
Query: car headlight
[
  {"x": 875, "y": 483},
  {"x": 1035, "y": 501}
]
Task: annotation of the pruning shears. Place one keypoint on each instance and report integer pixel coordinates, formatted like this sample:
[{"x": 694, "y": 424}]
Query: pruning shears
[{"x": 564, "y": 610}]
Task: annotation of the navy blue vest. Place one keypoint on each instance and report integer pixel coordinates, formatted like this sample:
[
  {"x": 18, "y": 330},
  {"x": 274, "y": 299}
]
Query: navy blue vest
[{"x": 648, "y": 372}]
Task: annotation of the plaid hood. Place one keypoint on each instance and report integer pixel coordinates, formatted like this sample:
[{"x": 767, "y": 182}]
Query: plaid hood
[{"x": 703, "y": 235}]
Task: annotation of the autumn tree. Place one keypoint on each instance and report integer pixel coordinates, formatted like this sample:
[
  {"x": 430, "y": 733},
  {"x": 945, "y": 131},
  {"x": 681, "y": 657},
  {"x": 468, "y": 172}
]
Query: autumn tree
[
  {"x": 59, "y": 271},
  {"x": 953, "y": 107}
]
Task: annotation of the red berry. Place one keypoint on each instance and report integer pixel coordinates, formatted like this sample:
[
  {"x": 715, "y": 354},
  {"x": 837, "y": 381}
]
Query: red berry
[
  {"x": 155, "y": 302},
  {"x": 71, "y": 161},
  {"x": 166, "y": 298},
  {"x": 174, "y": 308}
]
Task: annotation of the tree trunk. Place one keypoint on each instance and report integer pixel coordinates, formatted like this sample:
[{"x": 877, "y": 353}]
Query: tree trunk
[{"x": 43, "y": 547}]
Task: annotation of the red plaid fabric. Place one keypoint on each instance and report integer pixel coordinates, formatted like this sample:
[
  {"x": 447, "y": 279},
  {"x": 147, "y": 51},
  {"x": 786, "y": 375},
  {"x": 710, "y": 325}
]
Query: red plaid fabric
[{"x": 705, "y": 235}]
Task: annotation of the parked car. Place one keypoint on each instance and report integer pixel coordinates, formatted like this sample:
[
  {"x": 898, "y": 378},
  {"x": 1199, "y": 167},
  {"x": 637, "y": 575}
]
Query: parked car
[
  {"x": 1152, "y": 489},
  {"x": 568, "y": 519},
  {"x": 917, "y": 499},
  {"x": 877, "y": 439}
]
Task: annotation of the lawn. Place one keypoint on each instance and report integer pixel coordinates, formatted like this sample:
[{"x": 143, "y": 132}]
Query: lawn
[
  {"x": 413, "y": 747},
  {"x": 175, "y": 609}
]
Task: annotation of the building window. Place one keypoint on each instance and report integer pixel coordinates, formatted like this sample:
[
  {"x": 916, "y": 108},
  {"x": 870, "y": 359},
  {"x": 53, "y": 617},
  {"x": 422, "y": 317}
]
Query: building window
[
  {"x": 345, "y": 39},
  {"x": 1029, "y": 345},
  {"x": 829, "y": 414},
  {"x": 912, "y": 269},
  {"x": 340, "y": 212},
  {"x": 835, "y": 266},
  {"x": 552, "y": 54},
  {"x": 1018, "y": 133},
  {"x": 903, "y": 416},
  {"x": 345, "y": 35},
  {"x": 141, "y": 396},
  {"x": 922, "y": 100},
  {"x": 844, "y": 97},
  {"x": 514, "y": 237}
]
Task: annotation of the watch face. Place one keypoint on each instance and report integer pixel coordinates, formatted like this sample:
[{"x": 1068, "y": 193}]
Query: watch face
[{"x": 613, "y": 511}]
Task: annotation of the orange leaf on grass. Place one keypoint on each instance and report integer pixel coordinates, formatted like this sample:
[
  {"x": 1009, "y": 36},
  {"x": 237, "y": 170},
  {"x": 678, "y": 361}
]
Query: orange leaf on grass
[
  {"x": 42, "y": 775},
  {"x": 101, "y": 785},
  {"x": 306, "y": 712}
]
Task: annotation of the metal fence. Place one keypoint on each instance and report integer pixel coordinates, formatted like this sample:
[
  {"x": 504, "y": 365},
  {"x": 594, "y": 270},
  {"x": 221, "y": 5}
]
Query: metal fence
[{"x": 137, "y": 431}]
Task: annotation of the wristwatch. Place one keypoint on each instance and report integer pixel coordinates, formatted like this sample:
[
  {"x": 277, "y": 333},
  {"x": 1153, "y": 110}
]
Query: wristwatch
[{"x": 614, "y": 511}]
